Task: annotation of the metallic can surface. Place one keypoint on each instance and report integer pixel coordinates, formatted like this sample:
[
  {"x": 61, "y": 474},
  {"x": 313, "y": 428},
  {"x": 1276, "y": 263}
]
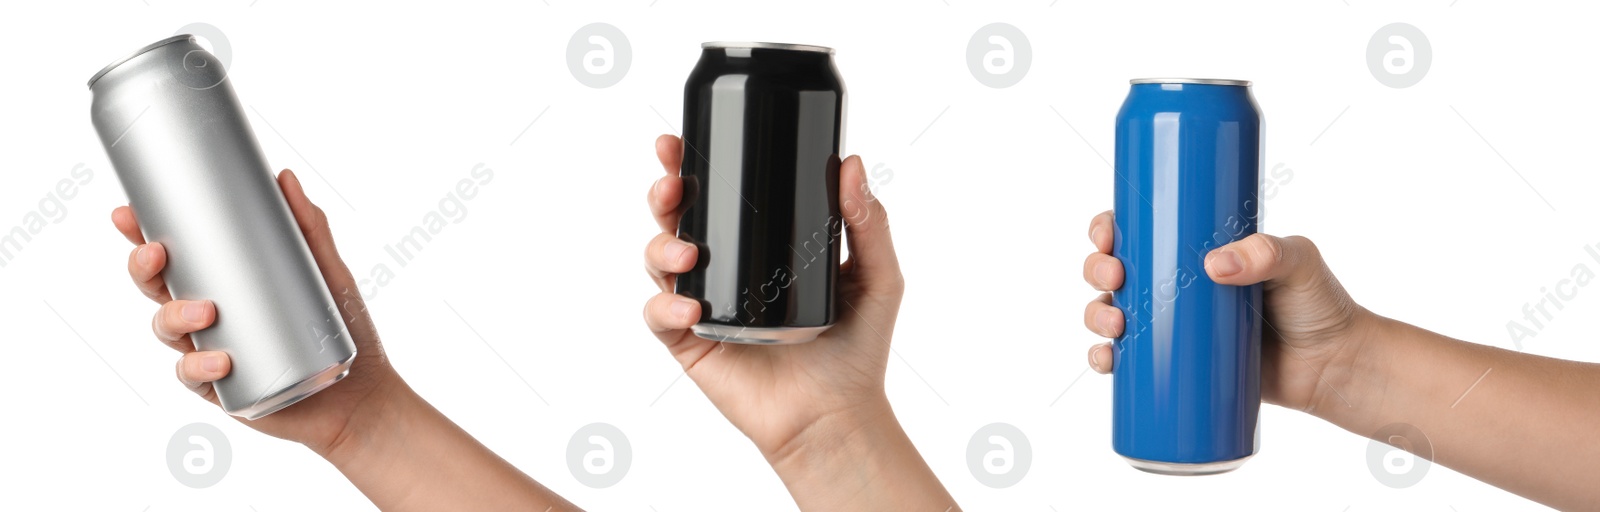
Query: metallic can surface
[
  {"x": 763, "y": 125},
  {"x": 199, "y": 184},
  {"x": 1187, "y": 369}
]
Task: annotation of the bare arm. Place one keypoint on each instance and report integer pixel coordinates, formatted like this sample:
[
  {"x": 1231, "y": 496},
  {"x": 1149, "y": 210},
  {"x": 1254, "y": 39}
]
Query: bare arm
[
  {"x": 1521, "y": 422},
  {"x": 405, "y": 455}
]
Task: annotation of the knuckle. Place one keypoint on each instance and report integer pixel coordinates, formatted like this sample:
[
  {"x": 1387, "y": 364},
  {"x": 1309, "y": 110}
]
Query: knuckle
[
  {"x": 894, "y": 285},
  {"x": 656, "y": 249},
  {"x": 1305, "y": 245},
  {"x": 1265, "y": 248},
  {"x": 897, "y": 284},
  {"x": 158, "y": 322},
  {"x": 652, "y": 310}
]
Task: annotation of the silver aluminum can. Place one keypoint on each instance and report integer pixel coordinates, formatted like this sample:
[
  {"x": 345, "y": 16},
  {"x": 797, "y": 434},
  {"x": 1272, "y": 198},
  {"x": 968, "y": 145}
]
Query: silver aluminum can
[{"x": 199, "y": 184}]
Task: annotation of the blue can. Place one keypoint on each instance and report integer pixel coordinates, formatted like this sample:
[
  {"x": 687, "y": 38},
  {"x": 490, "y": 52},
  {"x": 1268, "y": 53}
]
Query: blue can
[{"x": 1187, "y": 368}]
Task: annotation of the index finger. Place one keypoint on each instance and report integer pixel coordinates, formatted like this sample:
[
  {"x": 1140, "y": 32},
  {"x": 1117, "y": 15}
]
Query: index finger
[
  {"x": 122, "y": 217},
  {"x": 1101, "y": 230},
  {"x": 667, "y": 193},
  {"x": 669, "y": 149}
]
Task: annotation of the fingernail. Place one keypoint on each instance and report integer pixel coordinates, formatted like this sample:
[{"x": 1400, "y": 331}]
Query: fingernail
[
  {"x": 193, "y": 311},
  {"x": 657, "y": 187},
  {"x": 142, "y": 255},
  {"x": 676, "y": 250},
  {"x": 211, "y": 363},
  {"x": 1224, "y": 264},
  {"x": 1094, "y": 358},
  {"x": 1092, "y": 232},
  {"x": 1103, "y": 321},
  {"x": 682, "y": 307}
]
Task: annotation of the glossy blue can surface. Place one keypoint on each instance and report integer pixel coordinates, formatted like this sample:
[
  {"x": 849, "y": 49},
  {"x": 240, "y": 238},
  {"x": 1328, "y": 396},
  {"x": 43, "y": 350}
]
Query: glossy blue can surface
[{"x": 1187, "y": 385}]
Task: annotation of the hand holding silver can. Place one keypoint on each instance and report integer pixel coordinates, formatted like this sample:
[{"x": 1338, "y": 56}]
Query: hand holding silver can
[{"x": 200, "y": 186}]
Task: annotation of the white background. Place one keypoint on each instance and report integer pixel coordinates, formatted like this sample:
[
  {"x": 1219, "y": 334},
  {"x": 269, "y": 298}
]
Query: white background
[{"x": 390, "y": 104}]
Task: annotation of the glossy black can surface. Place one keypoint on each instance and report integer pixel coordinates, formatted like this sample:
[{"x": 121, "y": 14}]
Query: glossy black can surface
[{"x": 762, "y": 129}]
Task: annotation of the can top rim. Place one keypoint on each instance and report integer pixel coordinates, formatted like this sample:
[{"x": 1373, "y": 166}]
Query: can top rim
[
  {"x": 769, "y": 46},
  {"x": 1201, "y": 81},
  {"x": 141, "y": 51}
]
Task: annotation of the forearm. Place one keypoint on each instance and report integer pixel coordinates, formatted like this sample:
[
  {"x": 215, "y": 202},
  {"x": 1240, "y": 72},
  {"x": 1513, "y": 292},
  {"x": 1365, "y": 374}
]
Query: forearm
[
  {"x": 859, "y": 460},
  {"x": 1521, "y": 422},
  {"x": 405, "y": 455}
]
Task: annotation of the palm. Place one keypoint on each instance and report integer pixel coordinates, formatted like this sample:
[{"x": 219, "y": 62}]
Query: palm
[
  {"x": 1303, "y": 331},
  {"x": 772, "y": 393},
  {"x": 317, "y": 420}
]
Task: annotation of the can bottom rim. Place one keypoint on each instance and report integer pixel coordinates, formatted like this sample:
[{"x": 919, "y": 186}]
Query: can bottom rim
[
  {"x": 1187, "y": 469},
  {"x": 757, "y": 335},
  {"x": 300, "y": 391}
]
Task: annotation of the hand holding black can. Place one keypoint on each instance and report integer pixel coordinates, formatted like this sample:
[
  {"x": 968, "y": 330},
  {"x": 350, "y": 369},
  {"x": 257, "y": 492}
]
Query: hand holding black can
[{"x": 817, "y": 411}]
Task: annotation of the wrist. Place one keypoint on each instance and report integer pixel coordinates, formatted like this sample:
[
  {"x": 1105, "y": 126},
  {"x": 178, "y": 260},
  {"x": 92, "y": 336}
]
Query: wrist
[
  {"x": 832, "y": 432},
  {"x": 404, "y": 455},
  {"x": 1355, "y": 379},
  {"x": 858, "y": 458},
  {"x": 367, "y": 426}
]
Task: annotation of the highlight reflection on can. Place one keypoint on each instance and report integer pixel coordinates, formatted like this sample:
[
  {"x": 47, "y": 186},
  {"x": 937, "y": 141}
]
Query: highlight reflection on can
[
  {"x": 763, "y": 125},
  {"x": 1187, "y": 369},
  {"x": 199, "y": 184}
]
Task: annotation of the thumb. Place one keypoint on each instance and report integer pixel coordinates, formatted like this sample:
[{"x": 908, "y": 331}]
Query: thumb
[
  {"x": 872, "y": 257},
  {"x": 314, "y": 226},
  {"x": 1292, "y": 261},
  {"x": 319, "y": 238}
]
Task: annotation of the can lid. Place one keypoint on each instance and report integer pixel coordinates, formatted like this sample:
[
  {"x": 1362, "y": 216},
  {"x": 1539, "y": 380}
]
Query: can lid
[
  {"x": 1201, "y": 81},
  {"x": 151, "y": 46},
  {"x": 769, "y": 46}
]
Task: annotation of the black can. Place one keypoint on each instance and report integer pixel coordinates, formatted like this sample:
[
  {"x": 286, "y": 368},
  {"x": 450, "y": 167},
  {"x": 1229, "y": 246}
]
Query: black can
[{"x": 763, "y": 126}]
